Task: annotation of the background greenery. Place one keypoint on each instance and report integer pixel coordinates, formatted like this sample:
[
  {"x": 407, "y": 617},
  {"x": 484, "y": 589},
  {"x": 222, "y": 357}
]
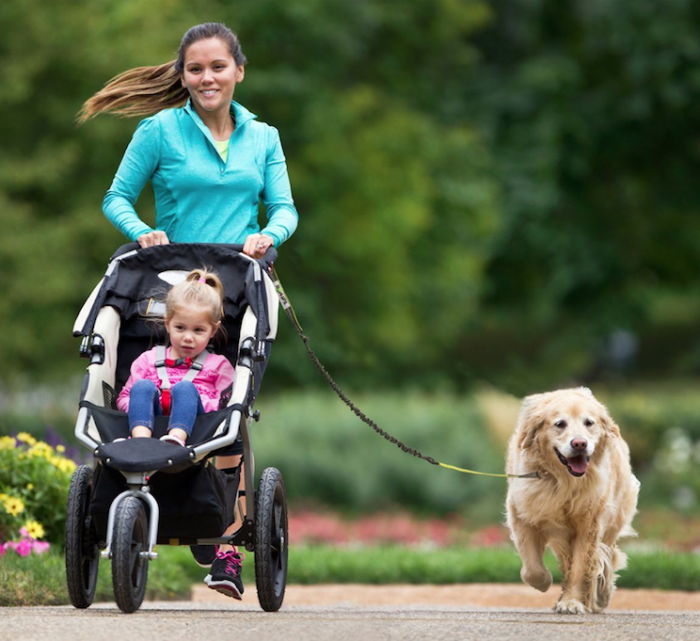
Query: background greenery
[
  {"x": 331, "y": 460},
  {"x": 41, "y": 580},
  {"x": 492, "y": 192},
  {"x": 487, "y": 189}
]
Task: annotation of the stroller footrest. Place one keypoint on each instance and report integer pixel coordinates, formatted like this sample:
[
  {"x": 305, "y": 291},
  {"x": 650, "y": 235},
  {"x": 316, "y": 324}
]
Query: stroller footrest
[{"x": 144, "y": 455}]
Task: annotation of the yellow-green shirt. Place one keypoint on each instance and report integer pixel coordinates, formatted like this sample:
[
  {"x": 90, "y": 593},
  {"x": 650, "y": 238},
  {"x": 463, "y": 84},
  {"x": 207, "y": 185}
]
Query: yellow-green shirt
[{"x": 222, "y": 148}]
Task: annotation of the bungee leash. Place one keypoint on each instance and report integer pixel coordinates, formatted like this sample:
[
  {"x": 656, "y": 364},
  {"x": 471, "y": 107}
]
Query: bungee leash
[{"x": 289, "y": 311}]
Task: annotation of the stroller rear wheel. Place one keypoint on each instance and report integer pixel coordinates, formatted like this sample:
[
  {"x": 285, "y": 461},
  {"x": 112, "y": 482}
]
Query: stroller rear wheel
[
  {"x": 129, "y": 567},
  {"x": 82, "y": 553},
  {"x": 271, "y": 540}
]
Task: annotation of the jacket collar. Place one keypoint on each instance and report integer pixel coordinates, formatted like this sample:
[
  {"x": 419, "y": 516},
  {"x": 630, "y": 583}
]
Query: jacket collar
[{"x": 241, "y": 114}]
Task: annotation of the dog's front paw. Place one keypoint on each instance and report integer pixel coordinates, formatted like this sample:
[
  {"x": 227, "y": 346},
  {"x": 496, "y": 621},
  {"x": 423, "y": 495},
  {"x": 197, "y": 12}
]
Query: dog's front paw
[
  {"x": 538, "y": 579},
  {"x": 569, "y": 606}
]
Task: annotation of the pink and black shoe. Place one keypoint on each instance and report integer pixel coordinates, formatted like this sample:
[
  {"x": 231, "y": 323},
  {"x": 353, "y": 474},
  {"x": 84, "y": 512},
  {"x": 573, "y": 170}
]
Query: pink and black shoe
[{"x": 225, "y": 574}]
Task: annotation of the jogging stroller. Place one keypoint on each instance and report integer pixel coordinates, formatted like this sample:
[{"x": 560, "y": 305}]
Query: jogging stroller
[{"x": 144, "y": 492}]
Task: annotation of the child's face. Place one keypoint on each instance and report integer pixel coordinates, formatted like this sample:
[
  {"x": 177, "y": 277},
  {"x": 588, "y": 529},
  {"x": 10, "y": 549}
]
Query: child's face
[{"x": 190, "y": 331}]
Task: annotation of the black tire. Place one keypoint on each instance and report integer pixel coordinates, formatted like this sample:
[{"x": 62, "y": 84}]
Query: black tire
[
  {"x": 129, "y": 540},
  {"x": 271, "y": 551},
  {"x": 82, "y": 553}
]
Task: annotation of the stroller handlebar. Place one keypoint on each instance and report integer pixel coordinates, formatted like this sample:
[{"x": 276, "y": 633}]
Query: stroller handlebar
[{"x": 267, "y": 260}]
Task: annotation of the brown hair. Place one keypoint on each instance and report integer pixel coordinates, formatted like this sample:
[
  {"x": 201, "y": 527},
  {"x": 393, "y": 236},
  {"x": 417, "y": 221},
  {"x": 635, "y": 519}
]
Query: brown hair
[
  {"x": 144, "y": 91},
  {"x": 201, "y": 290}
]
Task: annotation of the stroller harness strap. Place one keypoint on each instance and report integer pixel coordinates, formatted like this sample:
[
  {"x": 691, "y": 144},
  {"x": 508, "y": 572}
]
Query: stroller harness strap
[{"x": 162, "y": 365}]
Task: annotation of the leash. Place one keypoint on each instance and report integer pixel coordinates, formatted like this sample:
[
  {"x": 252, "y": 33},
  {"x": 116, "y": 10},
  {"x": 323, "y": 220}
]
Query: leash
[{"x": 289, "y": 311}]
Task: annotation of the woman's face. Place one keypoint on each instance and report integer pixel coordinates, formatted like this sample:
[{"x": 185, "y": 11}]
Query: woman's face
[{"x": 210, "y": 75}]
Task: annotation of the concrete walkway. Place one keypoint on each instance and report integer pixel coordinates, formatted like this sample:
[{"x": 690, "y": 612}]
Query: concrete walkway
[{"x": 467, "y": 595}]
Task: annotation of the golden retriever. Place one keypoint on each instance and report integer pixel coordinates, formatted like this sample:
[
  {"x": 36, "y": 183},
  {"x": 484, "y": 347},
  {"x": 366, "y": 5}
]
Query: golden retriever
[{"x": 583, "y": 502}]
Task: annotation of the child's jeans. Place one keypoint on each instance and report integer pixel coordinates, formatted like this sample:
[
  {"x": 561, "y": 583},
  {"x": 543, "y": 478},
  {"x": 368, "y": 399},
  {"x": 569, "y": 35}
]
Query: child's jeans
[{"x": 144, "y": 405}]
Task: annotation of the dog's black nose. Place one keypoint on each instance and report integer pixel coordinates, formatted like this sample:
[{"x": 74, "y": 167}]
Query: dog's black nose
[{"x": 579, "y": 443}]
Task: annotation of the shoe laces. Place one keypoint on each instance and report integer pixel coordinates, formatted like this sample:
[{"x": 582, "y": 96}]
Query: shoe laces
[{"x": 233, "y": 560}]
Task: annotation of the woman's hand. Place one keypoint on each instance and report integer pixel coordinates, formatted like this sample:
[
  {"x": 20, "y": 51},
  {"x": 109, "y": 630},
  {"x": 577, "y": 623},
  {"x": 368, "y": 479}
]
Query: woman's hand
[
  {"x": 256, "y": 245},
  {"x": 153, "y": 238}
]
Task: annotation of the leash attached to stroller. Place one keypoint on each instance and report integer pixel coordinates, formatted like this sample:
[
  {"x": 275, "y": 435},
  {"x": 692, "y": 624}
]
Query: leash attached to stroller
[{"x": 289, "y": 310}]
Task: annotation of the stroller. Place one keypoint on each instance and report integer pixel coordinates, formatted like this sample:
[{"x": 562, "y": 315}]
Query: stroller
[{"x": 145, "y": 492}]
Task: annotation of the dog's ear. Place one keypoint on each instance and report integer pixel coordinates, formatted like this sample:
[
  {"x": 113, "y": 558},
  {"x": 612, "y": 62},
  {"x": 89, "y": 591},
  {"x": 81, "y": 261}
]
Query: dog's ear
[
  {"x": 609, "y": 426},
  {"x": 530, "y": 420}
]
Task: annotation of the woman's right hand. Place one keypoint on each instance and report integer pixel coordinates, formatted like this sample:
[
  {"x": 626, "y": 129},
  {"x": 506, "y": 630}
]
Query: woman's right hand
[{"x": 153, "y": 238}]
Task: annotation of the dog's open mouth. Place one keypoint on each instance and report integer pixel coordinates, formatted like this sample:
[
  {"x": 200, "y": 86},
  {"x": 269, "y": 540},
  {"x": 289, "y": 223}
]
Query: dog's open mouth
[{"x": 576, "y": 465}]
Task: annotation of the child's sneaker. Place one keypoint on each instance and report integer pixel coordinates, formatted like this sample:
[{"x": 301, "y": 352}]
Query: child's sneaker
[{"x": 225, "y": 574}]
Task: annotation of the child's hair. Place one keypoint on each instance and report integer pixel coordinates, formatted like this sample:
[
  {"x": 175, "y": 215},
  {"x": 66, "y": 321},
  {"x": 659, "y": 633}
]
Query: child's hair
[{"x": 201, "y": 290}]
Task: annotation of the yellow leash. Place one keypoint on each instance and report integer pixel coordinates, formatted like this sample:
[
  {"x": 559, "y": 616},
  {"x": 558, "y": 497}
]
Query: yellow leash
[
  {"x": 531, "y": 475},
  {"x": 289, "y": 310}
]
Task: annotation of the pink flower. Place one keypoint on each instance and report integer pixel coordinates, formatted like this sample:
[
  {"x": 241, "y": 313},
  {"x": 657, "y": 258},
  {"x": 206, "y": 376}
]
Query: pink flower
[
  {"x": 2, "y": 549},
  {"x": 41, "y": 546},
  {"x": 24, "y": 547}
]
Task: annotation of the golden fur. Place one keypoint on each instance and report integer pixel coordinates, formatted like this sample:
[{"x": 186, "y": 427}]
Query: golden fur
[{"x": 584, "y": 501}]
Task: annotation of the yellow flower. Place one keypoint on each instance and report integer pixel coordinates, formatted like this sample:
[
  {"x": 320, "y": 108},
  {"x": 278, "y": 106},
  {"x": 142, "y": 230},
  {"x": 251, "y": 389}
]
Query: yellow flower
[
  {"x": 63, "y": 464},
  {"x": 34, "y": 529},
  {"x": 30, "y": 486},
  {"x": 13, "y": 505},
  {"x": 40, "y": 449},
  {"x": 26, "y": 438},
  {"x": 60, "y": 449},
  {"x": 7, "y": 443}
]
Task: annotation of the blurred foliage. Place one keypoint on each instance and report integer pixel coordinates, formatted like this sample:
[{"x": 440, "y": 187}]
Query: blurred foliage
[
  {"x": 34, "y": 476},
  {"x": 487, "y": 189},
  {"x": 41, "y": 581},
  {"x": 330, "y": 459}
]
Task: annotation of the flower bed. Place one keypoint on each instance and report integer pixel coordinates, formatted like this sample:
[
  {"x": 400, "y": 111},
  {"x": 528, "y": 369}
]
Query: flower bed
[
  {"x": 309, "y": 527},
  {"x": 34, "y": 482}
]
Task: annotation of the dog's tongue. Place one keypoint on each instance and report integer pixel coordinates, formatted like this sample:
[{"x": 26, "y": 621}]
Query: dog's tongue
[{"x": 578, "y": 464}]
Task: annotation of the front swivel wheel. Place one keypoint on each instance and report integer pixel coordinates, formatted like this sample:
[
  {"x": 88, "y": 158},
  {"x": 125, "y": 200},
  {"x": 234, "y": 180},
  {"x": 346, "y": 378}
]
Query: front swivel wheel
[{"x": 129, "y": 561}]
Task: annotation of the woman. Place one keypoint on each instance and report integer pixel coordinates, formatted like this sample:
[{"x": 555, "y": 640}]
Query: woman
[
  {"x": 210, "y": 164},
  {"x": 209, "y": 161}
]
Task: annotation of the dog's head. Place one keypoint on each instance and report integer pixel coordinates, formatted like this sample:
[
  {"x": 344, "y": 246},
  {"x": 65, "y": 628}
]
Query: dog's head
[{"x": 564, "y": 429}]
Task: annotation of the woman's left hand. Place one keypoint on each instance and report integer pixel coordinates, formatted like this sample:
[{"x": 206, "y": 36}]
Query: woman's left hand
[{"x": 256, "y": 245}]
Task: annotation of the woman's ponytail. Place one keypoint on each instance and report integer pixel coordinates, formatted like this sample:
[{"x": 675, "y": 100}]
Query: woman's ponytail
[{"x": 142, "y": 91}]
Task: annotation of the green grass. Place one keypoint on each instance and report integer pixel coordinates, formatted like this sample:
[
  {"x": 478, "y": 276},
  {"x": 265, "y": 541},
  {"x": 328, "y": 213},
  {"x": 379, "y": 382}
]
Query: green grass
[{"x": 41, "y": 580}]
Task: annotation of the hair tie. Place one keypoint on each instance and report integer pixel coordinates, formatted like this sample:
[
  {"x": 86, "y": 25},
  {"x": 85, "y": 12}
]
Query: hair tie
[{"x": 202, "y": 280}]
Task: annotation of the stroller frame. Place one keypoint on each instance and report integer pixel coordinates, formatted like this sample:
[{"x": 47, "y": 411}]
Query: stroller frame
[{"x": 133, "y": 524}]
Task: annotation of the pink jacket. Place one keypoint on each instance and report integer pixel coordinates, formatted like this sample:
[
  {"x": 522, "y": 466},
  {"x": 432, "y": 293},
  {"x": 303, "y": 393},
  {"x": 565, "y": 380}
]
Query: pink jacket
[{"x": 215, "y": 377}]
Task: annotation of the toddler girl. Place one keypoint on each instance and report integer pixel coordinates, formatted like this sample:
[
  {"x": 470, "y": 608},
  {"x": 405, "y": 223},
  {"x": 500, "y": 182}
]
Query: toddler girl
[{"x": 191, "y": 379}]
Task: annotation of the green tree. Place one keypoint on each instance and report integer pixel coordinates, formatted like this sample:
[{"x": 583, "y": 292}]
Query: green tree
[{"x": 486, "y": 189}]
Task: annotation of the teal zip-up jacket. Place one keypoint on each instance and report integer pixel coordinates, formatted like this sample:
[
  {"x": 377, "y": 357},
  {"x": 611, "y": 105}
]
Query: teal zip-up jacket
[{"x": 199, "y": 197}]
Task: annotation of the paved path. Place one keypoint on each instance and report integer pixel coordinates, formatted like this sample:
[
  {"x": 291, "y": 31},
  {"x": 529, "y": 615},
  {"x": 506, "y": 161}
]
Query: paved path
[
  {"x": 192, "y": 621},
  {"x": 405, "y": 615},
  {"x": 466, "y": 595}
]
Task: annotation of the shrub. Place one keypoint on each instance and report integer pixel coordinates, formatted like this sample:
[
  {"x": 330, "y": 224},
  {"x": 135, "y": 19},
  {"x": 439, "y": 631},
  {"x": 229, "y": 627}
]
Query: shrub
[
  {"x": 329, "y": 457},
  {"x": 34, "y": 482}
]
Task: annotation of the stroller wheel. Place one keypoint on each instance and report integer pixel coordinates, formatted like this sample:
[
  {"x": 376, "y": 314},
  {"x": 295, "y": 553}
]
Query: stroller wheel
[
  {"x": 82, "y": 553},
  {"x": 129, "y": 568},
  {"x": 271, "y": 540}
]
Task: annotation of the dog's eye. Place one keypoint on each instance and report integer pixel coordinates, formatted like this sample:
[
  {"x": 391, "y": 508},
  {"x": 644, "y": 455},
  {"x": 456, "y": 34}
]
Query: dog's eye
[
  {"x": 560, "y": 424},
  {"x": 588, "y": 422}
]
